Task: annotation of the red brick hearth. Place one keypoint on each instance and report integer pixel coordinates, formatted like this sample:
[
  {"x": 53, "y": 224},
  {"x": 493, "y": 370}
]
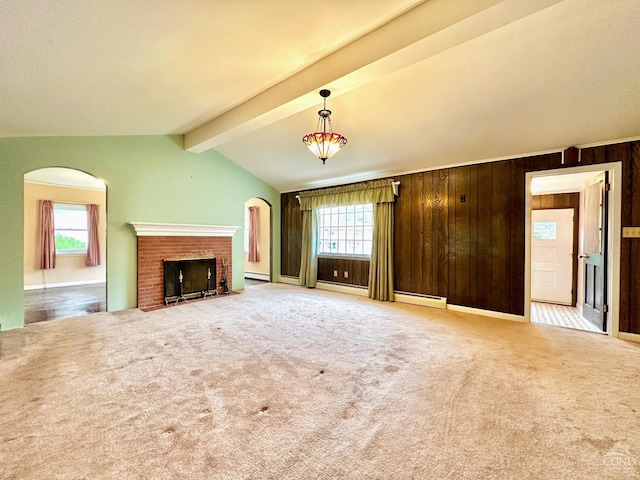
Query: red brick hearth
[{"x": 159, "y": 242}]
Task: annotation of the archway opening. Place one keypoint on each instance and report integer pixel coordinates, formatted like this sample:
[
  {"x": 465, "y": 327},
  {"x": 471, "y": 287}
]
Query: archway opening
[
  {"x": 257, "y": 242},
  {"x": 65, "y": 230}
]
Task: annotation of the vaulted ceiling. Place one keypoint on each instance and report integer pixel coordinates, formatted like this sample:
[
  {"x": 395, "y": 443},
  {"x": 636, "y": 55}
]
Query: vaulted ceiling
[{"x": 416, "y": 84}]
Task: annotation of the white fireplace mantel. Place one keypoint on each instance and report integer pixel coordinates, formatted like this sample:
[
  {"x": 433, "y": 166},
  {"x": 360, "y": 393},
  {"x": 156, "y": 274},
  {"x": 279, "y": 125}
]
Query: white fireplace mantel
[{"x": 148, "y": 229}]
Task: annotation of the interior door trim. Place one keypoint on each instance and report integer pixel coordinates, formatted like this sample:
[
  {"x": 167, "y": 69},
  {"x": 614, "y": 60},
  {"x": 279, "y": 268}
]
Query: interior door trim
[{"x": 614, "y": 237}]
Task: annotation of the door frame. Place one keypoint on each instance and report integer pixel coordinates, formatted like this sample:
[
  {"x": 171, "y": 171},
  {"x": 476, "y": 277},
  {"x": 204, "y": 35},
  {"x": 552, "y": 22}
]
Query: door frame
[
  {"x": 613, "y": 237},
  {"x": 271, "y": 238}
]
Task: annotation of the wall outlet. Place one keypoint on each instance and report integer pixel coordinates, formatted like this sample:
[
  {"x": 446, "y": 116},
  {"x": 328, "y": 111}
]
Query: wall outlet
[
  {"x": 335, "y": 273},
  {"x": 346, "y": 274}
]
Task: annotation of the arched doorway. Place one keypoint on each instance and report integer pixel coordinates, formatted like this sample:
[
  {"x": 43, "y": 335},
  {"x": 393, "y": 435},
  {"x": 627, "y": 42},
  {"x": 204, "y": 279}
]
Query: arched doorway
[
  {"x": 69, "y": 206},
  {"x": 257, "y": 234}
]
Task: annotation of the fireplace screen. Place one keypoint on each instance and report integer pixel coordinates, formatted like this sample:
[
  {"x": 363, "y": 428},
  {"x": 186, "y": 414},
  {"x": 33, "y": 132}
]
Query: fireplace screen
[{"x": 193, "y": 278}]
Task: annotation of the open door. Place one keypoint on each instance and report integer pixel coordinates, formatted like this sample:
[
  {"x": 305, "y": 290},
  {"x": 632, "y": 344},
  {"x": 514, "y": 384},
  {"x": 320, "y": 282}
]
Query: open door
[{"x": 594, "y": 254}]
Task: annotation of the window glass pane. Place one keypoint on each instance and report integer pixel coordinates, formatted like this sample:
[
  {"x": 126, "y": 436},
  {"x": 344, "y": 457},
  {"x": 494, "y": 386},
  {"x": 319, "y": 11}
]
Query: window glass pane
[
  {"x": 71, "y": 239},
  {"x": 70, "y": 216},
  {"x": 350, "y": 233},
  {"x": 70, "y": 223},
  {"x": 345, "y": 230},
  {"x": 544, "y": 230}
]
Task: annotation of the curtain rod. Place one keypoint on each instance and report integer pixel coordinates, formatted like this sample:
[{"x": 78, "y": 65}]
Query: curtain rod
[
  {"x": 70, "y": 203},
  {"x": 396, "y": 183}
]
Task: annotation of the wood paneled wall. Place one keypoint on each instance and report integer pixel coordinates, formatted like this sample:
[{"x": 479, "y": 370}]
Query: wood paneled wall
[
  {"x": 472, "y": 251},
  {"x": 460, "y": 233},
  {"x": 290, "y": 235},
  {"x": 555, "y": 201},
  {"x": 357, "y": 271},
  {"x": 629, "y": 154},
  {"x": 422, "y": 233}
]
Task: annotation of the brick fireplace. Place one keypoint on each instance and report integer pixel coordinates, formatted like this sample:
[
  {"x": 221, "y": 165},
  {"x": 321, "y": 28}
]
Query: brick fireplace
[{"x": 158, "y": 242}]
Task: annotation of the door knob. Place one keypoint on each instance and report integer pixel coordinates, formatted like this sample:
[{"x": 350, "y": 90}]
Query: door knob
[{"x": 583, "y": 256}]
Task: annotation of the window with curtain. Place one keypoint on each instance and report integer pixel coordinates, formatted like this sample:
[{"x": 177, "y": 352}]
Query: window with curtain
[
  {"x": 71, "y": 232},
  {"x": 381, "y": 195},
  {"x": 345, "y": 230}
]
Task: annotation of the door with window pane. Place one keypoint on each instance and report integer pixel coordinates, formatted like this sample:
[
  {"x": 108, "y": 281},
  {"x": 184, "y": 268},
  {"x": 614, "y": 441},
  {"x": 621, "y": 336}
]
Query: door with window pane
[{"x": 552, "y": 256}]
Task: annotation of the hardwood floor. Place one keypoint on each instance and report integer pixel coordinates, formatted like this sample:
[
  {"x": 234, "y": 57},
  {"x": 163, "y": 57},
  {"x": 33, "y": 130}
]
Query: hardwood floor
[{"x": 62, "y": 302}]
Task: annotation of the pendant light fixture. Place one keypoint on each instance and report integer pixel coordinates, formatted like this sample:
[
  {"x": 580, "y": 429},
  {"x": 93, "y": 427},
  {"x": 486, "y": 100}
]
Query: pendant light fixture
[{"x": 324, "y": 143}]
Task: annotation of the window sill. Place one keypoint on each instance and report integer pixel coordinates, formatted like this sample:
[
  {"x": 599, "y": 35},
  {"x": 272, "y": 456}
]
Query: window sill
[{"x": 72, "y": 253}]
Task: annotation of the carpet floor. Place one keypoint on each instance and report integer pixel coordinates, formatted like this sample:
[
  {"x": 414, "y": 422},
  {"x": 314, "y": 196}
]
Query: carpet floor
[{"x": 283, "y": 382}]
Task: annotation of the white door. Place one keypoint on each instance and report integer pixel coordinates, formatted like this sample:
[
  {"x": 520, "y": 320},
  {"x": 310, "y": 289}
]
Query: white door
[{"x": 552, "y": 255}]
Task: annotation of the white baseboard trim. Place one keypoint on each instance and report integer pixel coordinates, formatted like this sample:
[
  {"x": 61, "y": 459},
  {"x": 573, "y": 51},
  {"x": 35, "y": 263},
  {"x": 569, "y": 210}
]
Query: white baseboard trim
[
  {"x": 257, "y": 276},
  {"x": 630, "y": 337},
  {"x": 486, "y": 313},
  {"x": 423, "y": 301},
  {"x": 63, "y": 284},
  {"x": 336, "y": 287}
]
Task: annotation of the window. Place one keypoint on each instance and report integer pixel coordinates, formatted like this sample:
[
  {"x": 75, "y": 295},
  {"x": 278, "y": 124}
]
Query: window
[
  {"x": 345, "y": 230},
  {"x": 544, "y": 230},
  {"x": 70, "y": 228}
]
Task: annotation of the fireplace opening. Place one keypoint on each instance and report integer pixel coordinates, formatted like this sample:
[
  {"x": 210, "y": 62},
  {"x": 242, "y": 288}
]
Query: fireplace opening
[{"x": 189, "y": 278}]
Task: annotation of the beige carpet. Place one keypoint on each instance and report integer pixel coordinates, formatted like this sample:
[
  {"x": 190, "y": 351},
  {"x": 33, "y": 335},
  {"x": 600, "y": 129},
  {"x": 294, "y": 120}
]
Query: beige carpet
[{"x": 287, "y": 383}]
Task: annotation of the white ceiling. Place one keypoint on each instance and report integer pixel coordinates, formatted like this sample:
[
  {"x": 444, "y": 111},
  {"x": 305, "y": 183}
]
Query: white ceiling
[
  {"x": 416, "y": 85},
  {"x": 564, "y": 183}
]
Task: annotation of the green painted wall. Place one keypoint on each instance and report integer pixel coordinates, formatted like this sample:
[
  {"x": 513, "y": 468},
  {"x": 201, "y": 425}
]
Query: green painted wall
[{"x": 149, "y": 179}]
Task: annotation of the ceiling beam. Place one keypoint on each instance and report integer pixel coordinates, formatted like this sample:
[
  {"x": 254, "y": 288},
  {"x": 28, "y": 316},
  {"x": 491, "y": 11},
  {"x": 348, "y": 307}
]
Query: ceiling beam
[{"x": 430, "y": 28}]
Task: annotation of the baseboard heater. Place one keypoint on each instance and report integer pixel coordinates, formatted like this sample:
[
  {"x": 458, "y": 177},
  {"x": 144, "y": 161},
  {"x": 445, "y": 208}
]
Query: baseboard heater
[
  {"x": 189, "y": 278},
  {"x": 420, "y": 299},
  {"x": 402, "y": 297},
  {"x": 257, "y": 276}
]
